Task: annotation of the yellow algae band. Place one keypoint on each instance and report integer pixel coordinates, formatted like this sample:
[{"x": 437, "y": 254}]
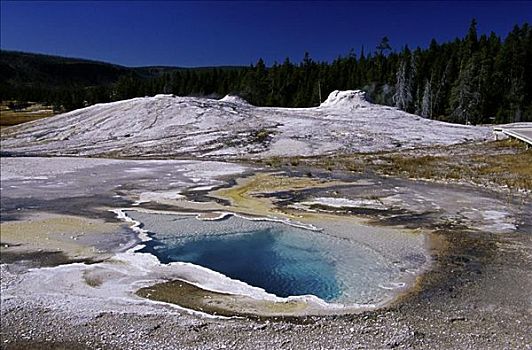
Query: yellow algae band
[
  {"x": 243, "y": 195},
  {"x": 51, "y": 232},
  {"x": 192, "y": 297}
]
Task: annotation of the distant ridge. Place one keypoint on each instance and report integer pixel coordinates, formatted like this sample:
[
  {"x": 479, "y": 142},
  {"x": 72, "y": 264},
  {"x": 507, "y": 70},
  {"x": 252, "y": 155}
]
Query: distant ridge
[
  {"x": 29, "y": 69},
  {"x": 26, "y": 69},
  {"x": 57, "y": 58}
]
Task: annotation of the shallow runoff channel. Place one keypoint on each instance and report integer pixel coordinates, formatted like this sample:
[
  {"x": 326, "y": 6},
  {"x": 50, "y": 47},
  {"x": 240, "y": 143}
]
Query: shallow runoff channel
[{"x": 332, "y": 263}]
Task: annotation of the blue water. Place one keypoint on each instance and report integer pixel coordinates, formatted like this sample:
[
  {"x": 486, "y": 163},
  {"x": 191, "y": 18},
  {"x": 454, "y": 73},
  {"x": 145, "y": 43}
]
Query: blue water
[
  {"x": 286, "y": 260},
  {"x": 264, "y": 258}
]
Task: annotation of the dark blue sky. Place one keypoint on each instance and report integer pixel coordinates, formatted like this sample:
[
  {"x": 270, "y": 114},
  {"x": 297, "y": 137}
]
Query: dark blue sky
[{"x": 136, "y": 33}]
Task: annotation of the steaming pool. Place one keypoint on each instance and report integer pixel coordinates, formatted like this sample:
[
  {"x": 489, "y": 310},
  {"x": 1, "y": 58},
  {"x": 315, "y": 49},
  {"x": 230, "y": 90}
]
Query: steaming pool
[{"x": 340, "y": 264}]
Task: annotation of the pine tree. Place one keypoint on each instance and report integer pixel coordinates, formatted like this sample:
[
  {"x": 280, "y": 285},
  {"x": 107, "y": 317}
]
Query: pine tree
[
  {"x": 438, "y": 100},
  {"x": 403, "y": 84},
  {"x": 383, "y": 46},
  {"x": 465, "y": 99},
  {"x": 412, "y": 76},
  {"x": 426, "y": 104}
]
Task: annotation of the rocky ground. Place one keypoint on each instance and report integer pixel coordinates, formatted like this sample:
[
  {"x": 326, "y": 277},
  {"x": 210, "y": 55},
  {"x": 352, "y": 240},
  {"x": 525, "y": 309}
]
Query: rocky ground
[
  {"x": 476, "y": 296},
  {"x": 473, "y": 301}
]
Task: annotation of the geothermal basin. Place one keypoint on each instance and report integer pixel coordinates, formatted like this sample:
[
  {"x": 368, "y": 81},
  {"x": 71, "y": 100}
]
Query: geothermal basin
[{"x": 339, "y": 262}]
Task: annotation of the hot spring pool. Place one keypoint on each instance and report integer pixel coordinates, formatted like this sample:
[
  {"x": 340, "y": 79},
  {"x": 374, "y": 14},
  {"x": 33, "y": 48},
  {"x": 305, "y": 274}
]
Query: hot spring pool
[{"x": 285, "y": 260}]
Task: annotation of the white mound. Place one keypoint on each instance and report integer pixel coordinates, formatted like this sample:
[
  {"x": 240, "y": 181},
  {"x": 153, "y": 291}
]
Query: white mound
[
  {"x": 348, "y": 98},
  {"x": 235, "y": 99},
  {"x": 166, "y": 125}
]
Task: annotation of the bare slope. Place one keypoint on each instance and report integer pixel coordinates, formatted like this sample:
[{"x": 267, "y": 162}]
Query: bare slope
[{"x": 166, "y": 125}]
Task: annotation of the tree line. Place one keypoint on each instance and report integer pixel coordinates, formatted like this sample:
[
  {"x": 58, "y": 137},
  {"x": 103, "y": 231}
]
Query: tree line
[{"x": 486, "y": 79}]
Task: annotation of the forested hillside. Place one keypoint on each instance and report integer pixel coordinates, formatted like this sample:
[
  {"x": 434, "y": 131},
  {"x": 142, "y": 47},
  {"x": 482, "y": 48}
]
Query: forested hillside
[{"x": 474, "y": 79}]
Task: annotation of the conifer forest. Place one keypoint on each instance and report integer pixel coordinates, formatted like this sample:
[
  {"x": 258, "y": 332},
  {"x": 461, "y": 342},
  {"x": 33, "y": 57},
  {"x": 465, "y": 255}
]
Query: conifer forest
[{"x": 477, "y": 79}]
